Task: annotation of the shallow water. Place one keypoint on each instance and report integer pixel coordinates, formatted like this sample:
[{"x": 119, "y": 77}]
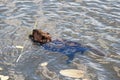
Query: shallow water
[{"x": 92, "y": 22}]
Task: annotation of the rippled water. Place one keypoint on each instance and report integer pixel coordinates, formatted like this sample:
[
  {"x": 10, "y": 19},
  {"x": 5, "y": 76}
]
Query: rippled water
[{"x": 93, "y": 22}]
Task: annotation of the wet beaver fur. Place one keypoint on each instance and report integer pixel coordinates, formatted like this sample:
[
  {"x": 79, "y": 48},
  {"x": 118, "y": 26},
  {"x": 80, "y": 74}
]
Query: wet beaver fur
[{"x": 39, "y": 36}]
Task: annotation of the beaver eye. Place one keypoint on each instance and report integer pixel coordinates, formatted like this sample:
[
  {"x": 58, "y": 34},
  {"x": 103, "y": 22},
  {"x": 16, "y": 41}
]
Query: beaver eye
[{"x": 47, "y": 33}]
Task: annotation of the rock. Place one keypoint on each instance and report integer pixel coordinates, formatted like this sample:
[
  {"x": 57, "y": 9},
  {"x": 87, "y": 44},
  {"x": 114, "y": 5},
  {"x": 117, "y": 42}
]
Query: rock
[
  {"x": 1, "y": 69},
  {"x": 2, "y": 77},
  {"x": 44, "y": 64},
  {"x": 73, "y": 73}
]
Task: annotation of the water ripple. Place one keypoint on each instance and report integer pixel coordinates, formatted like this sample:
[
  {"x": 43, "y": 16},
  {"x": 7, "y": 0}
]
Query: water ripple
[{"x": 95, "y": 22}]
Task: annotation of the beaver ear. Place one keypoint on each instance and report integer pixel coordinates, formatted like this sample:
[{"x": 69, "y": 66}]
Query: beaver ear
[{"x": 34, "y": 30}]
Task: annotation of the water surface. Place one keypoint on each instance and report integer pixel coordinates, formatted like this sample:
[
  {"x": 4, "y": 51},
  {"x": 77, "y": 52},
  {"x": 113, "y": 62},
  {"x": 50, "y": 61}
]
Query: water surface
[{"x": 93, "y": 22}]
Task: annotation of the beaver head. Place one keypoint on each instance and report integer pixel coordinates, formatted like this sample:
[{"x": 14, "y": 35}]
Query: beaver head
[{"x": 39, "y": 36}]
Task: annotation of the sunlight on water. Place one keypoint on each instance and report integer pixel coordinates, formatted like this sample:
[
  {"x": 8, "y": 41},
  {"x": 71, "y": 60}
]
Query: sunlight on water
[{"x": 89, "y": 22}]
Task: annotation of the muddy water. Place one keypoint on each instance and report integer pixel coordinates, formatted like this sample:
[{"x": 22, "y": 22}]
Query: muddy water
[{"x": 92, "y": 22}]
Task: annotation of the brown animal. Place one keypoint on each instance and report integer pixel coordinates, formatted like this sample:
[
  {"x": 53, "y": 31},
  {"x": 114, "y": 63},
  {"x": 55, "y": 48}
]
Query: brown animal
[
  {"x": 69, "y": 48},
  {"x": 39, "y": 36}
]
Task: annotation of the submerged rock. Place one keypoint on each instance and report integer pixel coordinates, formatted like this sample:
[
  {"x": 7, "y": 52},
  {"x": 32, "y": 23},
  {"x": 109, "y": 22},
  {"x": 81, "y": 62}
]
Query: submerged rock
[{"x": 73, "y": 73}]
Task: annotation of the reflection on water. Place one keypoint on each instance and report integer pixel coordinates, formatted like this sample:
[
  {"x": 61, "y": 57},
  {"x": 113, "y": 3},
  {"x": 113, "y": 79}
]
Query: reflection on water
[{"x": 94, "y": 22}]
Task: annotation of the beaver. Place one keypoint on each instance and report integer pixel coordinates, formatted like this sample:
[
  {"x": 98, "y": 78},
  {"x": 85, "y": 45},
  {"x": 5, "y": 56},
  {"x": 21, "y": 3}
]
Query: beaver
[
  {"x": 69, "y": 48},
  {"x": 39, "y": 36}
]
